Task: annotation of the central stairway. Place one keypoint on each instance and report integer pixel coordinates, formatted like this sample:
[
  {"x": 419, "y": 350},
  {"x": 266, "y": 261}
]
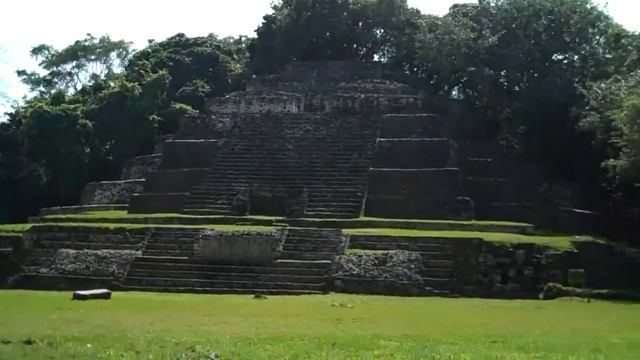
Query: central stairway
[
  {"x": 327, "y": 155},
  {"x": 167, "y": 265}
]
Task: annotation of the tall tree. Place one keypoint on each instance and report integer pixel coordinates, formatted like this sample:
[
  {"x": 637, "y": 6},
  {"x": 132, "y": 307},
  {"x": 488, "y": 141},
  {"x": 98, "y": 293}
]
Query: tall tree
[
  {"x": 80, "y": 64},
  {"x": 365, "y": 30}
]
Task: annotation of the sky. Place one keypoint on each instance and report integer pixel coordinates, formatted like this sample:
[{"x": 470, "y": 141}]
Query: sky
[{"x": 27, "y": 23}]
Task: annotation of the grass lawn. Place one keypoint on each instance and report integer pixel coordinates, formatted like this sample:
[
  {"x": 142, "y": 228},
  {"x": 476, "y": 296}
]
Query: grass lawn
[
  {"x": 38, "y": 325},
  {"x": 559, "y": 241},
  {"x": 112, "y": 214},
  {"x": 219, "y": 227},
  {"x": 12, "y": 229}
]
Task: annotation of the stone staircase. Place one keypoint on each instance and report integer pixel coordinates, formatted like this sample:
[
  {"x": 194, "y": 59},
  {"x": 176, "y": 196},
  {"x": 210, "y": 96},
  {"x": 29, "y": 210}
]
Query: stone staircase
[
  {"x": 327, "y": 155},
  {"x": 168, "y": 265},
  {"x": 43, "y": 242},
  {"x": 437, "y": 256}
]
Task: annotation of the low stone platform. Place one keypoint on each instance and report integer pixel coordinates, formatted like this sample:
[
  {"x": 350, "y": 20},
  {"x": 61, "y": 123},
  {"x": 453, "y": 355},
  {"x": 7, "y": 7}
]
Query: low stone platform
[{"x": 310, "y": 260}]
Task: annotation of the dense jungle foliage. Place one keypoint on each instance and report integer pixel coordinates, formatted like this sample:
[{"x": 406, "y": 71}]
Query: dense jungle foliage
[{"x": 557, "y": 81}]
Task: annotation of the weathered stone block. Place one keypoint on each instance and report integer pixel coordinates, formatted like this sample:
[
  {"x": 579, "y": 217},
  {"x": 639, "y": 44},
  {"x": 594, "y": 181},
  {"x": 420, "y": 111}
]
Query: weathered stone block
[
  {"x": 106, "y": 263},
  {"x": 240, "y": 247},
  {"x": 139, "y": 167},
  {"x": 97, "y": 294},
  {"x": 257, "y": 102},
  {"x": 110, "y": 192}
]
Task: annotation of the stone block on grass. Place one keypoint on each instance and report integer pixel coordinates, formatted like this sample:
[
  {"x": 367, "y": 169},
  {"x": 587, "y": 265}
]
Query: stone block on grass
[{"x": 96, "y": 294}]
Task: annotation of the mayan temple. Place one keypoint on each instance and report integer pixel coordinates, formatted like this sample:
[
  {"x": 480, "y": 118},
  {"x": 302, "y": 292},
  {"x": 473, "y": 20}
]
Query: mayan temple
[{"x": 296, "y": 184}]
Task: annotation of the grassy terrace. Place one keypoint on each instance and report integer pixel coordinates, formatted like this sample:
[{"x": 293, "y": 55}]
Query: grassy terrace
[
  {"x": 219, "y": 227},
  {"x": 121, "y": 217},
  {"x": 559, "y": 241},
  {"x": 495, "y": 231},
  {"x": 174, "y": 326},
  {"x": 115, "y": 214},
  {"x": 121, "y": 214},
  {"x": 13, "y": 229}
]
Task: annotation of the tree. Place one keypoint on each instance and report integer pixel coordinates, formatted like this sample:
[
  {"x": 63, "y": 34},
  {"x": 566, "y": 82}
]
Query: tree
[
  {"x": 56, "y": 145},
  {"x": 614, "y": 115},
  {"x": 201, "y": 65},
  {"x": 80, "y": 64},
  {"x": 311, "y": 30}
]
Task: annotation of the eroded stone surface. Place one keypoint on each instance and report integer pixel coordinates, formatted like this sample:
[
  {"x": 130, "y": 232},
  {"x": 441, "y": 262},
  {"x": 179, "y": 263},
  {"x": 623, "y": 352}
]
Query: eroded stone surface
[
  {"x": 139, "y": 167},
  {"x": 110, "y": 192},
  {"x": 113, "y": 263},
  {"x": 396, "y": 265},
  {"x": 240, "y": 247}
]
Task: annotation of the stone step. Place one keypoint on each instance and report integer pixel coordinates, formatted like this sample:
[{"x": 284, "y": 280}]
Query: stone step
[
  {"x": 221, "y": 290},
  {"x": 226, "y": 276},
  {"x": 436, "y": 240},
  {"x": 225, "y": 284},
  {"x": 190, "y": 210},
  {"x": 409, "y": 246},
  {"x": 224, "y": 192},
  {"x": 37, "y": 281},
  {"x": 301, "y": 264},
  {"x": 301, "y": 165},
  {"x": 273, "y": 268},
  {"x": 439, "y": 264},
  {"x": 431, "y": 256},
  {"x": 86, "y": 246},
  {"x": 315, "y": 192},
  {"x": 334, "y": 206},
  {"x": 287, "y": 160},
  {"x": 84, "y": 238},
  {"x": 348, "y": 207},
  {"x": 305, "y": 255},
  {"x": 169, "y": 253},
  {"x": 170, "y": 247},
  {"x": 329, "y": 215},
  {"x": 328, "y": 158},
  {"x": 438, "y": 283},
  {"x": 172, "y": 240},
  {"x": 292, "y": 146},
  {"x": 328, "y": 248},
  {"x": 183, "y": 232},
  {"x": 318, "y": 181},
  {"x": 327, "y": 239},
  {"x": 436, "y": 273}
]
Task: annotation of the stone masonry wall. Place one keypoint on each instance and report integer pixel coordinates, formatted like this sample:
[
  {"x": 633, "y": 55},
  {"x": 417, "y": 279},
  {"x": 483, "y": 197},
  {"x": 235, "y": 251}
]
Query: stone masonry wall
[
  {"x": 110, "y": 192},
  {"x": 386, "y": 273},
  {"x": 488, "y": 269},
  {"x": 139, "y": 167},
  {"x": 257, "y": 102},
  {"x": 240, "y": 247}
]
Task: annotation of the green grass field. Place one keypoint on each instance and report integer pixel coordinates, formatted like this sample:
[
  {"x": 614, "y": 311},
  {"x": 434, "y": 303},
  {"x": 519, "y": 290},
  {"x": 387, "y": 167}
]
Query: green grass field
[
  {"x": 12, "y": 229},
  {"x": 558, "y": 241},
  {"x": 47, "y": 325}
]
